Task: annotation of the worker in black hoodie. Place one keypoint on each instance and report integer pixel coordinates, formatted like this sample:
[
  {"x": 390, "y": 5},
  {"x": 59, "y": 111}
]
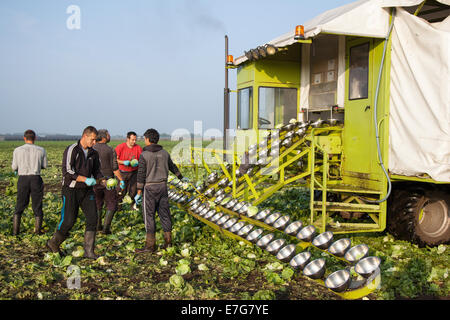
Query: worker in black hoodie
[
  {"x": 154, "y": 166},
  {"x": 81, "y": 171}
]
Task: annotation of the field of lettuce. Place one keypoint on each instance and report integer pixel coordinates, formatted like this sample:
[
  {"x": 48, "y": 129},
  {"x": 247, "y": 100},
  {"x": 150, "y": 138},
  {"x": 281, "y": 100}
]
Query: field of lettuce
[{"x": 203, "y": 264}]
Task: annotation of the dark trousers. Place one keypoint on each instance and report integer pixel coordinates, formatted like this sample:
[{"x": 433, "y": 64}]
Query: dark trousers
[
  {"x": 74, "y": 199},
  {"x": 105, "y": 197},
  {"x": 156, "y": 199},
  {"x": 29, "y": 186},
  {"x": 130, "y": 179}
]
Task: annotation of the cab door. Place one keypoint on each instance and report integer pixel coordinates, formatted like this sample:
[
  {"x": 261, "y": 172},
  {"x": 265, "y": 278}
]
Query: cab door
[{"x": 359, "y": 132}]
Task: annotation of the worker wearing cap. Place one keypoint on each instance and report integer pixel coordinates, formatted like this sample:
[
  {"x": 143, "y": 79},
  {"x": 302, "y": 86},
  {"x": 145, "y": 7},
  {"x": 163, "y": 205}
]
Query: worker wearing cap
[
  {"x": 154, "y": 166},
  {"x": 81, "y": 171},
  {"x": 28, "y": 160},
  {"x": 127, "y": 152},
  {"x": 110, "y": 169}
]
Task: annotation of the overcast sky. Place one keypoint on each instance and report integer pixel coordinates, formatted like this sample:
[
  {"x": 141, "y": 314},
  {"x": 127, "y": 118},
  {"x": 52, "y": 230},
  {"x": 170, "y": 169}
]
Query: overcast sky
[{"x": 133, "y": 64}]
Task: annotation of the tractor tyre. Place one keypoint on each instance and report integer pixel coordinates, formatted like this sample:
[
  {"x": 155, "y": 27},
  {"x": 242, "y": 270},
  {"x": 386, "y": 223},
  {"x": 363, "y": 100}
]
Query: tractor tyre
[{"x": 420, "y": 215}]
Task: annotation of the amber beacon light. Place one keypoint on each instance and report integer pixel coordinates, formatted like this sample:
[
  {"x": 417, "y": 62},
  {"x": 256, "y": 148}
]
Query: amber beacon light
[
  {"x": 230, "y": 60},
  {"x": 299, "y": 32}
]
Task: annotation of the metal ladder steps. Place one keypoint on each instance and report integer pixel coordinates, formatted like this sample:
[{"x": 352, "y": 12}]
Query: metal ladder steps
[
  {"x": 341, "y": 188},
  {"x": 351, "y": 207}
]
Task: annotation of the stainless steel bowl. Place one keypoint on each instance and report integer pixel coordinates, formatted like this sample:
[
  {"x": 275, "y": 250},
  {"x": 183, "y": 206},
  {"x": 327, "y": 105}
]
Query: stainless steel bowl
[
  {"x": 275, "y": 144},
  {"x": 263, "y": 153},
  {"x": 265, "y": 240},
  {"x": 290, "y": 134},
  {"x": 356, "y": 253},
  {"x": 262, "y": 161},
  {"x": 264, "y": 142},
  {"x": 245, "y": 230},
  {"x": 287, "y": 142},
  {"x": 262, "y": 214},
  {"x": 281, "y": 222},
  {"x": 210, "y": 193},
  {"x": 216, "y": 217},
  {"x": 183, "y": 199},
  {"x": 204, "y": 211},
  {"x": 212, "y": 178},
  {"x": 317, "y": 123},
  {"x": 338, "y": 281},
  {"x": 315, "y": 269},
  {"x": 195, "y": 206},
  {"x": 300, "y": 260},
  {"x": 230, "y": 222},
  {"x": 219, "y": 199},
  {"x": 200, "y": 208},
  {"x": 293, "y": 228},
  {"x": 223, "y": 183},
  {"x": 177, "y": 196},
  {"x": 231, "y": 203},
  {"x": 286, "y": 253},
  {"x": 220, "y": 192},
  {"x": 340, "y": 247},
  {"x": 252, "y": 150},
  {"x": 255, "y": 235},
  {"x": 307, "y": 233},
  {"x": 238, "y": 206},
  {"x": 272, "y": 218},
  {"x": 300, "y": 132},
  {"x": 210, "y": 214},
  {"x": 223, "y": 219},
  {"x": 323, "y": 240},
  {"x": 303, "y": 124},
  {"x": 367, "y": 266},
  {"x": 195, "y": 201},
  {"x": 237, "y": 226},
  {"x": 274, "y": 153},
  {"x": 244, "y": 208},
  {"x": 288, "y": 127},
  {"x": 275, "y": 246}
]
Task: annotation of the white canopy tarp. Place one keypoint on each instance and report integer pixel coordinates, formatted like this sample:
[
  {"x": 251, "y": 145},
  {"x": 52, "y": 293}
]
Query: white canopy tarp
[
  {"x": 368, "y": 18},
  {"x": 419, "y": 125}
]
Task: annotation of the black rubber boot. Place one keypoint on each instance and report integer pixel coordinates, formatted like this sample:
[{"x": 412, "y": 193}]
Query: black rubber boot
[
  {"x": 150, "y": 244},
  {"x": 54, "y": 243},
  {"x": 38, "y": 225},
  {"x": 99, "y": 219},
  {"x": 167, "y": 239},
  {"x": 89, "y": 245},
  {"x": 108, "y": 219},
  {"x": 16, "y": 224}
]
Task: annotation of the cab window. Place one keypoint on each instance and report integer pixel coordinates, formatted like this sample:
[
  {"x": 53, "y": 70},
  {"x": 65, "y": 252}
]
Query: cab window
[{"x": 276, "y": 106}]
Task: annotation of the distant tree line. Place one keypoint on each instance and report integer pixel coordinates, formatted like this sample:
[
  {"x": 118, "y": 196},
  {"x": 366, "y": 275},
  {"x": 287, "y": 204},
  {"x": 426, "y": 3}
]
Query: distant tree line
[{"x": 62, "y": 137}]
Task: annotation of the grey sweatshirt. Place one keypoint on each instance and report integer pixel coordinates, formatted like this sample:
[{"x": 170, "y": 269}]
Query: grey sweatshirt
[
  {"x": 154, "y": 166},
  {"x": 29, "y": 159},
  {"x": 108, "y": 159}
]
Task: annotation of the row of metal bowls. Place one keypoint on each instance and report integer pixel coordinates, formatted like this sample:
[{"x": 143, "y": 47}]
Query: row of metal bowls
[
  {"x": 338, "y": 281},
  {"x": 178, "y": 196},
  {"x": 324, "y": 241}
]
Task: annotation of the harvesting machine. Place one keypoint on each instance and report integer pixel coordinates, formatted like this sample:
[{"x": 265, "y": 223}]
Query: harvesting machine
[{"x": 354, "y": 105}]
